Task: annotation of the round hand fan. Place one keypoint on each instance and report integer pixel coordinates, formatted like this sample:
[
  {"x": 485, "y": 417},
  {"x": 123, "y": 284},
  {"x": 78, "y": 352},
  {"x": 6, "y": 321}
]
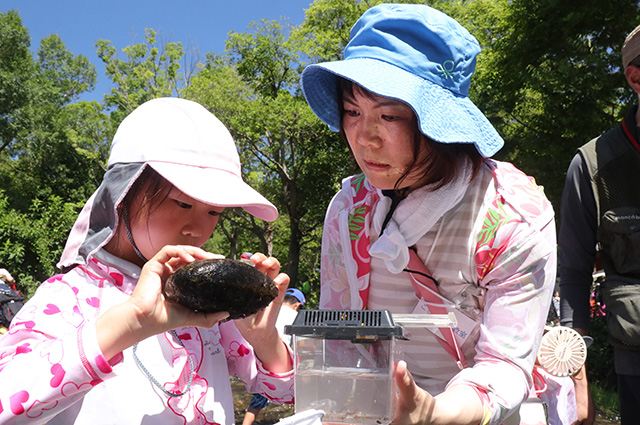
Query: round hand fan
[{"x": 562, "y": 351}]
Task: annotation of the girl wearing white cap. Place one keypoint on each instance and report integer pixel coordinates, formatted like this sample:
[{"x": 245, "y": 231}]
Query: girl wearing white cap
[
  {"x": 433, "y": 224},
  {"x": 100, "y": 344}
]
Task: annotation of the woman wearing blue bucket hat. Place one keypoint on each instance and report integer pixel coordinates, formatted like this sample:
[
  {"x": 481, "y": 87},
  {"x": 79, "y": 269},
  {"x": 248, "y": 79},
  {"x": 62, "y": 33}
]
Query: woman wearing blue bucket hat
[{"x": 433, "y": 225}]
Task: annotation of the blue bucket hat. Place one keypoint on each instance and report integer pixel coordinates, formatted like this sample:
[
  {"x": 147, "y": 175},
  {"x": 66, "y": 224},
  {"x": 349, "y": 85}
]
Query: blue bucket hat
[
  {"x": 415, "y": 54},
  {"x": 296, "y": 293}
]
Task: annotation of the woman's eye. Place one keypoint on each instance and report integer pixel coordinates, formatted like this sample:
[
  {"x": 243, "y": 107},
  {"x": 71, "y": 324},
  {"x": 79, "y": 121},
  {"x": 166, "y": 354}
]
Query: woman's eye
[
  {"x": 183, "y": 205},
  {"x": 350, "y": 112},
  {"x": 215, "y": 213},
  {"x": 389, "y": 117}
]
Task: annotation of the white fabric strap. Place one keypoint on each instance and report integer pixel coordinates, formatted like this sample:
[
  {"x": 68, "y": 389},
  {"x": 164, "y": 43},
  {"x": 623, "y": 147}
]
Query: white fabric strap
[{"x": 417, "y": 213}]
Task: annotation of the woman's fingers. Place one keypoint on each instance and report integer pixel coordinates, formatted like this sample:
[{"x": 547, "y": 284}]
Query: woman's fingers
[{"x": 415, "y": 405}]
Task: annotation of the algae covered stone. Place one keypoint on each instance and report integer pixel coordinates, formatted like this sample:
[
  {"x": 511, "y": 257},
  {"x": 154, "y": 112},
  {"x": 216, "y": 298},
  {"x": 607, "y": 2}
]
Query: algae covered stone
[{"x": 209, "y": 286}]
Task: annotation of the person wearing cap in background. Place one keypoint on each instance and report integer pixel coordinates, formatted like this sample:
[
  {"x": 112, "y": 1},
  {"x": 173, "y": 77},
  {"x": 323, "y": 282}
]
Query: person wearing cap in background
[
  {"x": 293, "y": 300},
  {"x": 433, "y": 224},
  {"x": 100, "y": 344},
  {"x": 600, "y": 212}
]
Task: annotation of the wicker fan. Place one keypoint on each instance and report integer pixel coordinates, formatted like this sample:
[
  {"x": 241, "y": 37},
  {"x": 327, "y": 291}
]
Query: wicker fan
[{"x": 562, "y": 351}]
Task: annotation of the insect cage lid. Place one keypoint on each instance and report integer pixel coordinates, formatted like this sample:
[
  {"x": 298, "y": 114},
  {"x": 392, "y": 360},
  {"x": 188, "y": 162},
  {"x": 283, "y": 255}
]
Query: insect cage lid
[{"x": 354, "y": 325}]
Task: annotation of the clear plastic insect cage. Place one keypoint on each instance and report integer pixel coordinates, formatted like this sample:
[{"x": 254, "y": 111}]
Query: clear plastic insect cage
[{"x": 344, "y": 364}]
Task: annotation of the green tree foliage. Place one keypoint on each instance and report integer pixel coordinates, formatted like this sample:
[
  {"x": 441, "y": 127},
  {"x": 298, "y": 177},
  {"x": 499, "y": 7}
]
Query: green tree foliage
[
  {"x": 52, "y": 149},
  {"x": 65, "y": 76},
  {"x": 151, "y": 70},
  {"x": 16, "y": 74},
  {"x": 31, "y": 242},
  {"x": 325, "y": 30},
  {"x": 37, "y": 158},
  {"x": 264, "y": 58},
  {"x": 549, "y": 76}
]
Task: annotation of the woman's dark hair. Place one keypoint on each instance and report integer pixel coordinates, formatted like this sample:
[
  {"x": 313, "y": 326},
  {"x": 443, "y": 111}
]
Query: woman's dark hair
[{"x": 442, "y": 163}]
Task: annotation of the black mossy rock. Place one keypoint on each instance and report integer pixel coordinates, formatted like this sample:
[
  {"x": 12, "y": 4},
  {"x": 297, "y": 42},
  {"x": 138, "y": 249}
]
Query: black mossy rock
[{"x": 209, "y": 286}]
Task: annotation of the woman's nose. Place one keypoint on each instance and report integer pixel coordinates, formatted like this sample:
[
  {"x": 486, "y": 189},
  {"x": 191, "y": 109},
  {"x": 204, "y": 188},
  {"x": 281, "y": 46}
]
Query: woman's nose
[{"x": 369, "y": 133}]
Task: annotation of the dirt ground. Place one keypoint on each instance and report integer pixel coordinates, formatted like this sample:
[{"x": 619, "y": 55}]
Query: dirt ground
[
  {"x": 603, "y": 420},
  {"x": 267, "y": 416},
  {"x": 273, "y": 413}
]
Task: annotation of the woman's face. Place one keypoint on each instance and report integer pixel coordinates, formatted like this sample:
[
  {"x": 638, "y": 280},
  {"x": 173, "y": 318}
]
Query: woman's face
[
  {"x": 380, "y": 132},
  {"x": 178, "y": 220}
]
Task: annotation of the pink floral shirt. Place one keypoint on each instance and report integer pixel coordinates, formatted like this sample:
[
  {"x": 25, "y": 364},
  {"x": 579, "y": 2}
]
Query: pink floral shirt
[
  {"x": 52, "y": 370},
  {"x": 498, "y": 244}
]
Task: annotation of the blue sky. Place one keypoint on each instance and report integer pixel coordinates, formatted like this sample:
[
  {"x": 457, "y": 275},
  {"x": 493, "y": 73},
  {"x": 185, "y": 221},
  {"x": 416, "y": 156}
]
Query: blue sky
[{"x": 198, "y": 24}]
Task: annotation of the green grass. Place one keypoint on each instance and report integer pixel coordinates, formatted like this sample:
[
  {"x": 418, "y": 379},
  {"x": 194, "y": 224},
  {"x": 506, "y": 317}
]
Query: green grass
[
  {"x": 601, "y": 370},
  {"x": 606, "y": 400}
]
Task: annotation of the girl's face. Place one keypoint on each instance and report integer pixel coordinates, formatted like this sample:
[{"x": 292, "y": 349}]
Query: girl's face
[
  {"x": 178, "y": 220},
  {"x": 380, "y": 132}
]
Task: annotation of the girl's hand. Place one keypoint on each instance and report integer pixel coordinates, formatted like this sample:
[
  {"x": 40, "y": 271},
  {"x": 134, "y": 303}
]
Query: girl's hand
[
  {"x": 147, "y": 298},
  {"x": 260, "y": 329},
  {"x": 146, "y": 312}
]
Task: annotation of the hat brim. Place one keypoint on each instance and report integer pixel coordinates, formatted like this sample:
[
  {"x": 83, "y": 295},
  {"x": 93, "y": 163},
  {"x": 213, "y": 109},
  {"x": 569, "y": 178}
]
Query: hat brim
[
  {"x": 443, "y": 116},
  {"x": 216, "y": 187}
]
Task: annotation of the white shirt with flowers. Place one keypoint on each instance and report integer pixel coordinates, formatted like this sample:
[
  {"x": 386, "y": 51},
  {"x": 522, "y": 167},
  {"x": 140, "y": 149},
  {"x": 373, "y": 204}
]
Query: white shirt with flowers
[{"x": 52, "y": 370}]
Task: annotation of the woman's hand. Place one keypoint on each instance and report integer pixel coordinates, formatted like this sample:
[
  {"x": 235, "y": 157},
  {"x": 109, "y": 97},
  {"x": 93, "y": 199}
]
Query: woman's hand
[
  {"x": 146, "y": 312},
  {"x": 260, "y": 329},
  {"x": 459, "y": 404},
  {"x": 415, "y": 405},
  {"x": 585, "y": 404}
]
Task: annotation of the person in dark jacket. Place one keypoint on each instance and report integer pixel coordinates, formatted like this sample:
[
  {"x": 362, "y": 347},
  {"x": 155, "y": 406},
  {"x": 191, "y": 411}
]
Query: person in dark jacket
[{"x": 600, "y": 213}]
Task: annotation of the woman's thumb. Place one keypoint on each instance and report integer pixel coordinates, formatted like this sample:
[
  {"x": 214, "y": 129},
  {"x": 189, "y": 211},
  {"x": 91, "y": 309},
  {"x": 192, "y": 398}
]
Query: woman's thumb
[{"x": 404, "y": 381}]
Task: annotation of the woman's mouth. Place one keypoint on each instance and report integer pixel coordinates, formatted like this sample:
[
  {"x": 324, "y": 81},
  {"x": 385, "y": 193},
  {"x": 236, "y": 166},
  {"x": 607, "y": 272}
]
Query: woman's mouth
[{"x": 376, "y": 166}]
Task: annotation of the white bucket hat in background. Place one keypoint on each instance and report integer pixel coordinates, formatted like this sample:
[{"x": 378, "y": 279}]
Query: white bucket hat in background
[
  {"x": 185, "y": 144},
  {"x": 415, "y": 54}
]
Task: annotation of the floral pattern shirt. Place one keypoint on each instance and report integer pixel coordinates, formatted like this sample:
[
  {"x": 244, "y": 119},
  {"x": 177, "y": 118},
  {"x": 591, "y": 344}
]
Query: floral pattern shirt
[
  {"x": 509, "y": 255},
  {"x": 52, "y": 370}
]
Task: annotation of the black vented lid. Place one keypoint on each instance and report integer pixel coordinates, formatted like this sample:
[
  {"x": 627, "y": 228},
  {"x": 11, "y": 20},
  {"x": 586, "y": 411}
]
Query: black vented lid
[{"x": 355, "y": 325}]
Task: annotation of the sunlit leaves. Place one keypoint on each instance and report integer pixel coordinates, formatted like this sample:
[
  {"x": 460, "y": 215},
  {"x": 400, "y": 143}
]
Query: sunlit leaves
[{"x": 149, "y": 70}]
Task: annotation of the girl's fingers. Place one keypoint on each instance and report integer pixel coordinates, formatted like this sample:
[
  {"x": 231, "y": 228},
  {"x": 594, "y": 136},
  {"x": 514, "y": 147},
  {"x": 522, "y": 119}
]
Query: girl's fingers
[
  {"x": 155, "y": 272},
  {"x": 282, "y": 282},
  {"x": 173, "y": 252},
  {"x": 172, "y": 257},
  {"x": 267, "y": 265}
]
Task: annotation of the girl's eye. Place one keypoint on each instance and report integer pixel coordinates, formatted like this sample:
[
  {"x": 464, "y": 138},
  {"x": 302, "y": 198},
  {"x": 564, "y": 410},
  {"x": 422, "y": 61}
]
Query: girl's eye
[
  {"x": 215, "y": 213},
  {"x": 183, "y": 205}
]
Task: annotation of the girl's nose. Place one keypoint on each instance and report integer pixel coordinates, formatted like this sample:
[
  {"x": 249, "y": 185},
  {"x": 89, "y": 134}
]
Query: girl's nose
[
  {"x": 191, "y": 230},
  {"x": 194, "y": 227}
]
